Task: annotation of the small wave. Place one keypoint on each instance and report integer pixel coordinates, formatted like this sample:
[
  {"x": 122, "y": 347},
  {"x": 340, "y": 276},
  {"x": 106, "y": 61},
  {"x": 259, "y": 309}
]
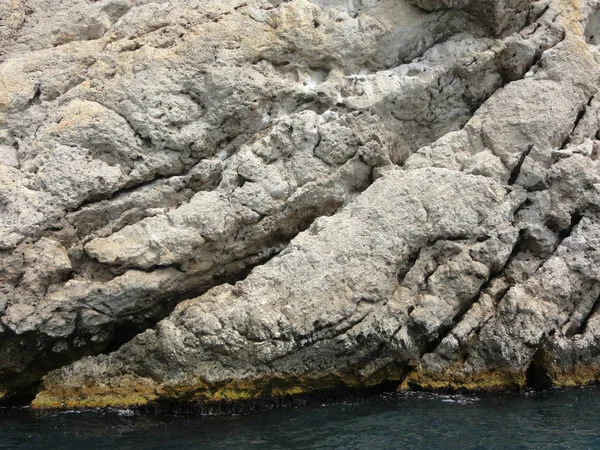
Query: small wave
[
  {"x": 460, "y": 399},
  {"x": 445, "y": 398},
  {"x": 122, "y": 412}
]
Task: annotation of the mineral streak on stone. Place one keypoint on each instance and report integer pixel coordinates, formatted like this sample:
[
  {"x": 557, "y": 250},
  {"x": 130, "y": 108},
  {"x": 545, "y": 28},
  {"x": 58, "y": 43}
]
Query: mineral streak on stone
[{"x": 234, "y": 200}]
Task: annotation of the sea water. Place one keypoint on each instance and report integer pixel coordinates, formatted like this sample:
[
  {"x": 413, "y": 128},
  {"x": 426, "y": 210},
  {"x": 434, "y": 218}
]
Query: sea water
[{"x": 555, "y": 419}]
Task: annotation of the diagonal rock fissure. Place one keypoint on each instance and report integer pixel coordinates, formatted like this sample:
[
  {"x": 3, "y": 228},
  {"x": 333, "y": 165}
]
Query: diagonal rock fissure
[
  {"x": 584, "y": 323},
  {"x": 580, "y": 114},
  {"x": 254, "y": 201},
  {"x": 466, "y": 307},
  {"x": 565, "y": 233},
  {"x": 134, "y": 187},
  {"x": 514, "y": 175},
  {"x": 46, "y": 360},
  {"x": 227, "y": 273}
]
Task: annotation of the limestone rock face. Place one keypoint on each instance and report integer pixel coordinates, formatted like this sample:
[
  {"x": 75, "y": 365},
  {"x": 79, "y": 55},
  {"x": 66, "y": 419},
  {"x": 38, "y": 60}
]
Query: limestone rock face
[
  {"x": 221, "y": 200},
  {"x": 501, "y": 17}
]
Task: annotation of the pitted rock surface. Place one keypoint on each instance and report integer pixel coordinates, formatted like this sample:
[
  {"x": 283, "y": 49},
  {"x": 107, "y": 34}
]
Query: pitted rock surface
[{"x": 211, "y": 201}]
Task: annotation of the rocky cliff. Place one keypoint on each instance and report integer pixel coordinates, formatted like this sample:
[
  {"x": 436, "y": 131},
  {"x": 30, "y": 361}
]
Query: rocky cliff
[{"x": 206, "y": 201}]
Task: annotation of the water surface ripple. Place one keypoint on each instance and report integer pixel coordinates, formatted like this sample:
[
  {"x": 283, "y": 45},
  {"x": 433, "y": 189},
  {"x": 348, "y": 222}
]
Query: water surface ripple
[{"x": 536, "y": 420}]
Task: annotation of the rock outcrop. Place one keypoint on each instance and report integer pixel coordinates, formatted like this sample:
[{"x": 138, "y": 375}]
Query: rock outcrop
[{"x": 211, "y": 201}]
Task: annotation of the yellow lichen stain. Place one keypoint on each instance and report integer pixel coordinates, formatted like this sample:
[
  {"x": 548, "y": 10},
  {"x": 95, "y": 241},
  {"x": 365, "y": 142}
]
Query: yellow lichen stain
[
  {"x": 454, "y": 379},
  {"x": 281, "y": 386},
  {"x": 130, "y": 391},
  {"x": 571, "y": 17},
  {"x": 122, "y": 392},
  {"x": 577, "y": 375},
  {"x": 45, "y": 401}
]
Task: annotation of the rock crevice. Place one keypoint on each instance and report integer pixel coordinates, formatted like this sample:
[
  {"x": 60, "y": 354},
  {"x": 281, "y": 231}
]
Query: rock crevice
[{"x": 212, "y": 201}]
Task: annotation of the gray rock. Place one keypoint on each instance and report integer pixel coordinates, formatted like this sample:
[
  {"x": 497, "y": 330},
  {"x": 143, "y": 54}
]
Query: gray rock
[
  {"x": 282, "y": 197},
  {"x": 503, "y": 16}
]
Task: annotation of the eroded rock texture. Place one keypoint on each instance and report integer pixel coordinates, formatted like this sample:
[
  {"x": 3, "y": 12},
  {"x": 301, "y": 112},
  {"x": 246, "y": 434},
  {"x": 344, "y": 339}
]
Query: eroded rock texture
[{"x": 407, "y": 190}]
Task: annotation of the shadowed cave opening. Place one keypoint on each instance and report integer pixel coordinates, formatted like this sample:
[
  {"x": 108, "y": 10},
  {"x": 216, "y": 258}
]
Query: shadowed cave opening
[{"x": 537, "y": 377}]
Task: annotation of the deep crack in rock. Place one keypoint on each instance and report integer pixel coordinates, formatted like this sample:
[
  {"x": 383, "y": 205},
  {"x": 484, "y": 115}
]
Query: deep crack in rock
[{"x": 294, "y": 197}]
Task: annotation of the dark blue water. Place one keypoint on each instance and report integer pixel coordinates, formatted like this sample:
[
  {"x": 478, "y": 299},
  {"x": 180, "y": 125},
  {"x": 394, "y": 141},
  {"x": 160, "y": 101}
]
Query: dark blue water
[{"x": 544, "y": 420}]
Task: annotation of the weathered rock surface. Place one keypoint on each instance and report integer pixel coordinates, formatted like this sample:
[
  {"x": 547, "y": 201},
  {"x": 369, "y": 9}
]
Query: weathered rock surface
[{"x": 211, "y": 201}]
